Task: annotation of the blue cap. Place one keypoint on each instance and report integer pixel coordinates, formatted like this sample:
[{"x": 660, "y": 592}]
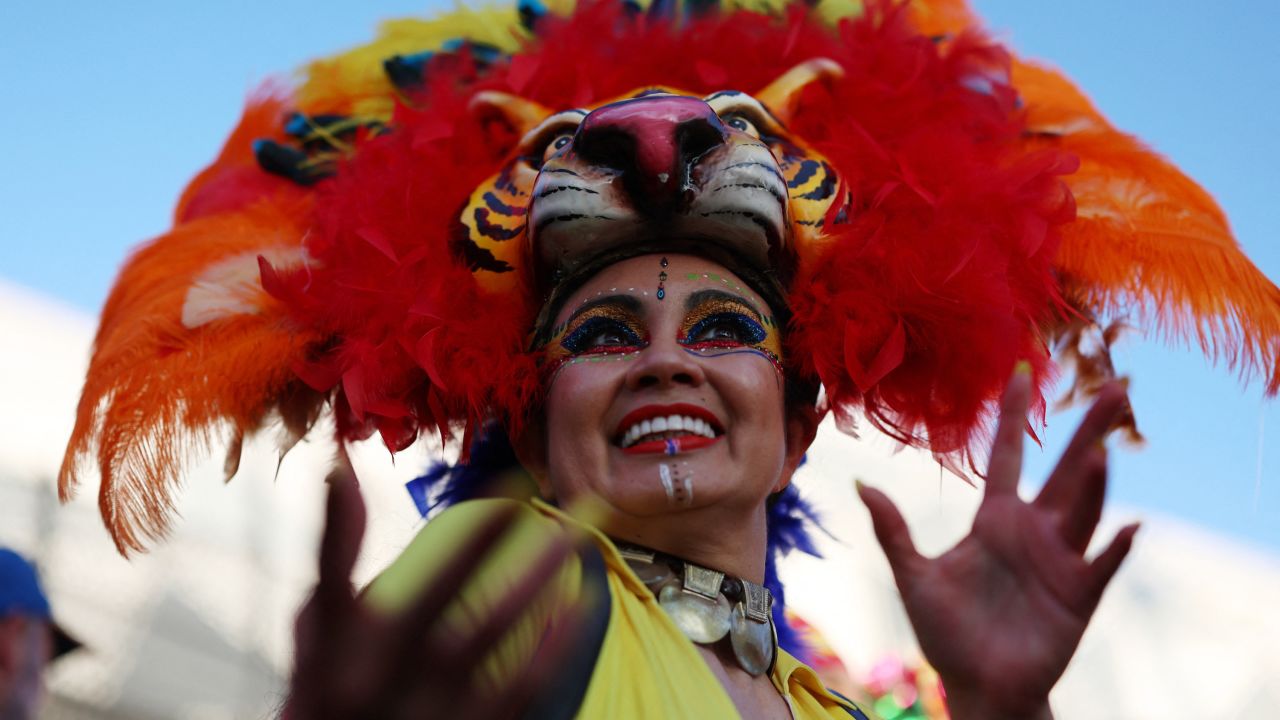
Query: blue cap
[
  {"x": 21, "y": 594},
  {"x": 20, "y": 591}
]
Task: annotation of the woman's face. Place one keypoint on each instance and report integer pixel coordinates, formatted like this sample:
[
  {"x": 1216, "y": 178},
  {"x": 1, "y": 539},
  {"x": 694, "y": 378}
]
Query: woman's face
[{"x": 666, "y": 391}]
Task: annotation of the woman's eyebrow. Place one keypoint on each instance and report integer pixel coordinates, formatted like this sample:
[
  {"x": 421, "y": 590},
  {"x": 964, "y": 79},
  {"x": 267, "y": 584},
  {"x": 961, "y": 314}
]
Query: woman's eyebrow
[
  {"x": 700, "y": 297},
  {"x": 630, "y": 303}
]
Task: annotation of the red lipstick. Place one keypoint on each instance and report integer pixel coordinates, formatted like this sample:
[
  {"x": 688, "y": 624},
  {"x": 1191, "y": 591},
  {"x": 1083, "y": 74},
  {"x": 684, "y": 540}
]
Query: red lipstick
[
  {"x": 681, "y": 442},
  {"x": 649, "y": 412},
  {"x": 673, "y": 446}
]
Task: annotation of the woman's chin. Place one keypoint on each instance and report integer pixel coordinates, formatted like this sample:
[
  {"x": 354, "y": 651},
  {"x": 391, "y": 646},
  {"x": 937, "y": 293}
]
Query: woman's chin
[
  {"x": 646, "y": 485},
  {"x": 654, "y": 479}
]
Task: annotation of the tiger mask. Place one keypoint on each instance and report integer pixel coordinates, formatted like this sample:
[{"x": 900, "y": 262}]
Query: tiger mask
[{"x": 656, "y": 170}]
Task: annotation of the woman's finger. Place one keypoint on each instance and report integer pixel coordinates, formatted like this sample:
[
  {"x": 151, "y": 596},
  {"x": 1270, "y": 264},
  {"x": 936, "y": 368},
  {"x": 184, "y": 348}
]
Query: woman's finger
[
  {"x": 1005, "y": 465},
  {"x": 343, "y": 531},
  {"x": 1060, "y": 491},
  {"x": 327, "y": 619},
  {"x": 1104, "y": 567},
  {"x": 1078, "y": 520},
  {"x": 891, "y": 530},
  {"x": 415, "y": 622},
  {"x": 547, "y": 662},
  {"x": 466, "y": 653}
]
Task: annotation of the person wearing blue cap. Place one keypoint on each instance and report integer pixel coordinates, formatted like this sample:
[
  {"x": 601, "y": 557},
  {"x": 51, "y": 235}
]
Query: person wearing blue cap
[{"x": 29, "y": 638}]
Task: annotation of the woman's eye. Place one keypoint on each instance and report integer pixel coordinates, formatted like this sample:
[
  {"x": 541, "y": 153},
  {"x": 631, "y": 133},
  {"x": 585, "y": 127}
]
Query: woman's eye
[
  {"x": 556, "y": 144},
  {"x": 600, "y": 336},
  {"x": 726, "y": 328},
  {"x": 741, "y": 124}
]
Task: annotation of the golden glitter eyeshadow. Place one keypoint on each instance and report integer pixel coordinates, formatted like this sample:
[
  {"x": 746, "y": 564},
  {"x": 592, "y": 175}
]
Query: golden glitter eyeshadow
[
  {"x": 736, "y": 326},
  {"x": 748, "y": 329},
  {"x": 608, "y": 316}
]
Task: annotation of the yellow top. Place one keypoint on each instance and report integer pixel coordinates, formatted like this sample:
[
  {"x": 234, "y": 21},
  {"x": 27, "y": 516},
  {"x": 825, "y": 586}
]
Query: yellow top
[{"x": 644, "y": 668}]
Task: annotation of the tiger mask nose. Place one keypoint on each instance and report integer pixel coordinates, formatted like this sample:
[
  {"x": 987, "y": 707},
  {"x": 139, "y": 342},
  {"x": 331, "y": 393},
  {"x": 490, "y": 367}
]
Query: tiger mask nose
[{"x": 652, "y": 142}]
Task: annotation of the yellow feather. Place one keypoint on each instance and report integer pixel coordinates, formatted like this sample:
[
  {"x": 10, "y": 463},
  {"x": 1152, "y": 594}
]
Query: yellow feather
[{"x": 354, "y": 83}]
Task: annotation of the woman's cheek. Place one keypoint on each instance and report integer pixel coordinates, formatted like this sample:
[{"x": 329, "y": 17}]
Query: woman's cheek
[{"x": 588, "y": 370}]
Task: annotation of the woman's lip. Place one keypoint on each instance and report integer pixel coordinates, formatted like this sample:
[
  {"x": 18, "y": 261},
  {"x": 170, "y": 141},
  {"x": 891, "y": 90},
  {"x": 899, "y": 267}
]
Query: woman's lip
[
  {"x": 649, "y": 412},
  {"x": 671, "y": 446}
]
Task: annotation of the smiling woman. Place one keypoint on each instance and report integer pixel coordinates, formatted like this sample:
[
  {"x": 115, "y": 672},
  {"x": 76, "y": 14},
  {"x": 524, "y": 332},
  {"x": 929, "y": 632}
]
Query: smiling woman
[
  {"x": 664, "y": 426},
  {"x": 640, "y": 277},
  {"x": 616, "y": 429}
]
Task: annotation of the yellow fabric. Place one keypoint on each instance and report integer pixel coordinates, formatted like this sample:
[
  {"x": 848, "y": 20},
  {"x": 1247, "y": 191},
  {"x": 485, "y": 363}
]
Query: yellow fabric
[
  {"x": 438, "y": 543},
  {"x": 645, "y": 669}
]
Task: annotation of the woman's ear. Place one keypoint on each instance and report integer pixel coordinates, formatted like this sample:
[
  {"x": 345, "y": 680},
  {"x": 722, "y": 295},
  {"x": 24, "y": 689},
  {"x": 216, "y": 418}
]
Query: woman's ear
[
  {"x": 802, "y": 427},
  {"x": 530, "y": 446}
]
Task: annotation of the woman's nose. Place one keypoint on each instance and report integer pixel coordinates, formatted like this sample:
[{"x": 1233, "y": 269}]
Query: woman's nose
[{"x": 665, "y": 364}]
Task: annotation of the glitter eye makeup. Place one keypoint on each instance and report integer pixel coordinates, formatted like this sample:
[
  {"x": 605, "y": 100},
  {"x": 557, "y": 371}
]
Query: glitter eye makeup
[
  {"x": 719, "y": 323},
  {"x": 729, "y": 328},
  {"x": 603, "y": 329},
  {"x": 716, "y": 322},
  {"x": 601, "y": 335}
]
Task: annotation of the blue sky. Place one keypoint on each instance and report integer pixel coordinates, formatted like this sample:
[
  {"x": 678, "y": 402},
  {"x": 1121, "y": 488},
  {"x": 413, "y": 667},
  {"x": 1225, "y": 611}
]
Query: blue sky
[{"x": 108, "y": 115}]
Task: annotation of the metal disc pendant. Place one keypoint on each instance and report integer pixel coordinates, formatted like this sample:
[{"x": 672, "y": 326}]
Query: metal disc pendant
[
  {"x": 650, "y": 573},
  {"x": 701, "y": 620},
  {"x": 753, "y": 642}
]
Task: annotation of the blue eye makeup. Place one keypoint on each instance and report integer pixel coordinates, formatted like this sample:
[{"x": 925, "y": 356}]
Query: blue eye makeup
[
  {"x": 608, "y": 327},
  {"x": 726, "y": 327},
  {"x": 714, "y": 323},
  {"x": 720, "y": 323},
  {"x": 601, "y": 334}
]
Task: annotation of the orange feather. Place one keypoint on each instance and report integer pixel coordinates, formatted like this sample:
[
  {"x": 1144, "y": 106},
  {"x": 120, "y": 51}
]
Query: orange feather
[
  {"x": 1148, "y": 241},
  {"x": 940, "y": 18},
  {"x": 229, "y": 368}
]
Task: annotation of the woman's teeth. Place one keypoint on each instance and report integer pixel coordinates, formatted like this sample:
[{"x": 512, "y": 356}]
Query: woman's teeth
[{"x": 663, "y": 428}]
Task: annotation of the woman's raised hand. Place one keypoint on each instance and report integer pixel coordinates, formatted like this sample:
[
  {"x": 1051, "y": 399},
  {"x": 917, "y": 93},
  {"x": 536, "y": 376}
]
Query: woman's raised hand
[
  {"x": 1000, "y": 614},
  {"x": 353, "y": 661}
]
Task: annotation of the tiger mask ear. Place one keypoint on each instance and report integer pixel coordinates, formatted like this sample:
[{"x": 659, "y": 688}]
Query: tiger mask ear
[
  {"x": 782, "y": 96},
  {"x": 510, "y": 116}
]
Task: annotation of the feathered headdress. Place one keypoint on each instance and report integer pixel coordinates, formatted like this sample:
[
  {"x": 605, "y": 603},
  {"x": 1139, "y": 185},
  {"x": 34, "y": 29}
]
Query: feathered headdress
[{"x": 363, "y": 243}]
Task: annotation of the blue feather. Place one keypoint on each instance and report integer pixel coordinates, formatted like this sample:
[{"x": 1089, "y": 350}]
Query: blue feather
[
  {"x": 788, "y": 520},
  {"x": 442, "y": 485}
]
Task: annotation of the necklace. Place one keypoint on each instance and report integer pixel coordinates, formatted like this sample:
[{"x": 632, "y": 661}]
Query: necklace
[{"x": 707, "y": 605}]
